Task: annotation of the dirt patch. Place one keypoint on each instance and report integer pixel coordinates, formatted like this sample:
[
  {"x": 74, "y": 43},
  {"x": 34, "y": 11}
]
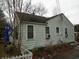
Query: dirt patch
[{"x": 51, "y": 52}]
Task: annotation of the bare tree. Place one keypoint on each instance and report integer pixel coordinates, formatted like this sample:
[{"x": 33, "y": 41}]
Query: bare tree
[
  {"x": 55, "y": 11},
  {"x": 11, "y": 7},
  {"x": 17, "y": 5},
  {"x": 35, "y": 9},
  {"x": 1, "y": 4}
]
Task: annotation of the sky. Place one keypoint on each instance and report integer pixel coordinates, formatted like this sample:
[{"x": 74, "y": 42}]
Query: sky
[{"x": 69, "y": 7}]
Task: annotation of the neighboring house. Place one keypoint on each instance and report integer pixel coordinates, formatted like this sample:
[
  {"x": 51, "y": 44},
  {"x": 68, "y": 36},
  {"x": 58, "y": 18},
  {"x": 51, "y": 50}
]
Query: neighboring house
[
  {"x": 76, "y": 29},
  {"x": 37, "y": 31}
]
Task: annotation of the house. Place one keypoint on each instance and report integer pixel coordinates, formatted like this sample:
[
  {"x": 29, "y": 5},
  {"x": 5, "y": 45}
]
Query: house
[
  {"x": 76, "y": 33},
  {"x": 37, "y": 31}
]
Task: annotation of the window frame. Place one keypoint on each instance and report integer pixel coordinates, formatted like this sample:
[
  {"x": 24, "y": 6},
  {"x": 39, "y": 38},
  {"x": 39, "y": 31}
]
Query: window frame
[
  {"x": 66, "y": 32},
  {"x": 57, "y": 30},
  {"x": 30, "y": 31},
  {"x": 47, "y": 32}
]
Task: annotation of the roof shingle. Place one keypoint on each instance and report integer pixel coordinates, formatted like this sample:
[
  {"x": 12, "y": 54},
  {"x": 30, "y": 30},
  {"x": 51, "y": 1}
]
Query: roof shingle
[{"x": 31, "y": 18}]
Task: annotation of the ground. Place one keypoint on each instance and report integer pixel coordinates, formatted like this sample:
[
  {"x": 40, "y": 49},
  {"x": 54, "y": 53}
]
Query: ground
[
  {"x": 3, "y": 52},
  {"x": 70, "y": 54},
  {"x": 62, "y": 53}
]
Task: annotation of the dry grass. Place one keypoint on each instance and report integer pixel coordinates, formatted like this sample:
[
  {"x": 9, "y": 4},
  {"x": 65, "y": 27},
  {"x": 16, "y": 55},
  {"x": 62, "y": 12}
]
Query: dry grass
[
  {"x": 13, "y": 52},
  {"x": 51, "y": 51}
]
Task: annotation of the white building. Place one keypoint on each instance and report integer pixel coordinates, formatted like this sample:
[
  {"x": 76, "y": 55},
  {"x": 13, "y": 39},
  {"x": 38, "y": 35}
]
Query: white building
[{"x": 39, "y": 31}]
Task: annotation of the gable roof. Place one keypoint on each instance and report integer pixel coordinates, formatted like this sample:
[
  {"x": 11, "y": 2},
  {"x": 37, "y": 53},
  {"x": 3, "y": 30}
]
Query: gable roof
[
  {"x": 31, "y": 18},
  {"x": 24, "y": 17},
  {"x": 55, "y": 16},
  {"x": 61, "y": 14}
]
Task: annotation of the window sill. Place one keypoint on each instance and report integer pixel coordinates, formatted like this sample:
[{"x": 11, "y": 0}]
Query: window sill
[{"x": 30, "y": 39}]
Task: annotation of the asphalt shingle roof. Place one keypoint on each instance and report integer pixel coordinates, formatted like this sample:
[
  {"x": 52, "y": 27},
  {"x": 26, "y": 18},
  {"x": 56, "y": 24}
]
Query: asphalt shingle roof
[{"x": 31, "y": 18}]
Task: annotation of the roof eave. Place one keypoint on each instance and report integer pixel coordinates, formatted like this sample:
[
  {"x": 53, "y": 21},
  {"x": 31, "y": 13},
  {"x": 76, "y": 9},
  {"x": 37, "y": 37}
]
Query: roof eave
[{"x": 26, "y": 22}]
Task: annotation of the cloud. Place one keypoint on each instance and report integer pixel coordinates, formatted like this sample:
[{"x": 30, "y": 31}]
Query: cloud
[{"x": 69, "y": 7}]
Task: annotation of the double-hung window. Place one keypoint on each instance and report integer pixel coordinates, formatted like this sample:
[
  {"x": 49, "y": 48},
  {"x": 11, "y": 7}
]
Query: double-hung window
[
  {"x": 47, "y": 33},
  {"x": 66, "y": 33},
  {"x": 30, "y": 32},
  {"x": 57, "y": 29},
  {"x": 47, "y": 30}
]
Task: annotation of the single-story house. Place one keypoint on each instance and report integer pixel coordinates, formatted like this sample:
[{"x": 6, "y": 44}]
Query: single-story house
[{"x": 38, "y": 31}]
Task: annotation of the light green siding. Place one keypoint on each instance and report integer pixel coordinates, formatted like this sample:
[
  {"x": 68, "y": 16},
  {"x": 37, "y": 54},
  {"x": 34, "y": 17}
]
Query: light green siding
[{"x": 39, "y": 39}]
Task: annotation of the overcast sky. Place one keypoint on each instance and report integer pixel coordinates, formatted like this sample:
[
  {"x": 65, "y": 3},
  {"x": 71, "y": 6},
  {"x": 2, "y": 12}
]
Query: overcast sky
[{"x": 69, "y": 7}]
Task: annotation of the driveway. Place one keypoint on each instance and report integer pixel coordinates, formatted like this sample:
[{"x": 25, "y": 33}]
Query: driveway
[{"x": 71, "y": 54}]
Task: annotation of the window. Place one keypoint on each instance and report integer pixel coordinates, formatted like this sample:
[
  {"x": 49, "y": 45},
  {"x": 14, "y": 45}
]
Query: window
[
  {"x": 57, "y": 29},
  {"x": 66, "y": 33},
  {"x": 47, "y": 30},
  {"x": 30, "y": 31},
  {"x": 75, "y": 36},
  {"x": 47, "y": 33}
]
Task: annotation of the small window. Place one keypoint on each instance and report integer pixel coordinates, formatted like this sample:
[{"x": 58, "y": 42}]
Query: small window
[
  {"x": 66, "y": 33},
  {"x": 47, "y": 30},
  {"x": 30, "y": 31},
  {"x": 47, "y": 33},
  {"x": 57, "y": 29}
]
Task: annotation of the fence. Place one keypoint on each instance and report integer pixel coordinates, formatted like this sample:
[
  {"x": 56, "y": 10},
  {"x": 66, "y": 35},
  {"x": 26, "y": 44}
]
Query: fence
[{"x": 26, "y": 54}]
